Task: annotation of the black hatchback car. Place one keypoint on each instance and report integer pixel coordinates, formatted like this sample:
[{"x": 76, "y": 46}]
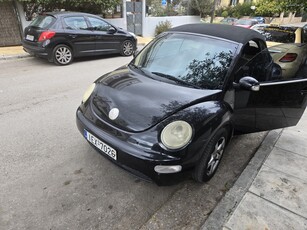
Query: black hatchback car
[
  {"x": 172, "y": 110},
  {"x": 61, "y": 36}
]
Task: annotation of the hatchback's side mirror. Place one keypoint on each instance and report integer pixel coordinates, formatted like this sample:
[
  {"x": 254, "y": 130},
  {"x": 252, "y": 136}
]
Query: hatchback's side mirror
[
  {"x": 111, "y": 30},
  {"x": 249, "y": 83}
]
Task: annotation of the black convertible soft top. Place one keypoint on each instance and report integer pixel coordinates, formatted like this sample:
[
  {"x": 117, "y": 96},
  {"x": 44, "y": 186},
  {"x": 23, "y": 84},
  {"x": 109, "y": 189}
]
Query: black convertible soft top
[{"x": 229, "y": 32}]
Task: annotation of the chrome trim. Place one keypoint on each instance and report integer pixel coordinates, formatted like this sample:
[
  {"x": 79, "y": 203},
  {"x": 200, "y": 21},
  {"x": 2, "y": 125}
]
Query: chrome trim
[{"x": 282, "y": 82}]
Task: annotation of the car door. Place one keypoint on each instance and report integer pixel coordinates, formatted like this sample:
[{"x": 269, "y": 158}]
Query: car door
[
  {"x": 79, "y": 35},
  {"x": 281, "y": 99},
  {"x": 105, "y": 36}
]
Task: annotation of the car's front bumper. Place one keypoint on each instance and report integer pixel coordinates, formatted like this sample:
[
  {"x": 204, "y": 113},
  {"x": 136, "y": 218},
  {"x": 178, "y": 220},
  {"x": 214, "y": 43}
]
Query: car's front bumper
[{"x": 138, "y": 161}]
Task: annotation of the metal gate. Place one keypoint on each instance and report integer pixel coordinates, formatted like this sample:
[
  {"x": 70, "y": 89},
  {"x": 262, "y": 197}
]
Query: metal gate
[{"x": 134, "y": 17}]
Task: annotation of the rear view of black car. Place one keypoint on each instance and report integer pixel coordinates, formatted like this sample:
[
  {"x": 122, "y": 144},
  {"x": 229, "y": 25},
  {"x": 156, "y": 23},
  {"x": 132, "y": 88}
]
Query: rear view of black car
[{"x": 62, "y": 36}]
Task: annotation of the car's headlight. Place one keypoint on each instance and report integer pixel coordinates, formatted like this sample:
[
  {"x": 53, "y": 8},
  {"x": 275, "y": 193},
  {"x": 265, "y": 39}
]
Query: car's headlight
[
  {"x": 88, "y": 92},
  {"x": 176, "y": 135}
]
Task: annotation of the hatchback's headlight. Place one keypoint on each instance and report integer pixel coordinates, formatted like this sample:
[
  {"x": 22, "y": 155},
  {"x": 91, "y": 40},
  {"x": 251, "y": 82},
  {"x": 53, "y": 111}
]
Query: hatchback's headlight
[
  {"x": 176, "y": 135},
  {"x": 88, "y": 92}
]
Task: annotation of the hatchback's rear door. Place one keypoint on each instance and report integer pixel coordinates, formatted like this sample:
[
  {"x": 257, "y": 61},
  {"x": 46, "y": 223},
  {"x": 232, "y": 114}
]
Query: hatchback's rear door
[
  {"x": 40, "y": 24},
  {"x": 79, "y": 35}
]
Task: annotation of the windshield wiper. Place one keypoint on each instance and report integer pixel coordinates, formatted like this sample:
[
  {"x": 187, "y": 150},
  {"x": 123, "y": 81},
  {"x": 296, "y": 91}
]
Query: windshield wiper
[
  {"x": 170, "y": 77},
  {"x": 145, "y": 72}
]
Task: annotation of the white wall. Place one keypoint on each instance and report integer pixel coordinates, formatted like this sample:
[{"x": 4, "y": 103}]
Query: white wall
[
  {"x": 119, "y": 22},
  {"x": 21, "y": 12},
  {"x": 150, "y": 23}
]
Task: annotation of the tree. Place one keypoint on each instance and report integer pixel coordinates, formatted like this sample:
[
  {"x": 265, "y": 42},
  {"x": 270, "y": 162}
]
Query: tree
[
  {"x": 204, "y": 7},
  {"x": 272, "y": 8},
  {"x": 89, "y": 6},
  {"x": 242, "y": 10},
  {"x": 293, "y": 5},
  {"x": 269, "y": 8}
]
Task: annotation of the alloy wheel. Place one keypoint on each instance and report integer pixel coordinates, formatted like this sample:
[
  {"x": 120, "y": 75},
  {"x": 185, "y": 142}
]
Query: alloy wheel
[
  {"x": 216, "y": 156},
  {"x": 63, "y": 55},
  {"x": 127, "y": 48}
]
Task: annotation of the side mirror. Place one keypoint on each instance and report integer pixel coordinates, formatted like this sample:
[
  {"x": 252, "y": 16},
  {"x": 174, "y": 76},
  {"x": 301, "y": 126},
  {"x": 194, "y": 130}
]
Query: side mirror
[
  {"x": 248, "y": 83},
  {"x": 111, "y": 30}
]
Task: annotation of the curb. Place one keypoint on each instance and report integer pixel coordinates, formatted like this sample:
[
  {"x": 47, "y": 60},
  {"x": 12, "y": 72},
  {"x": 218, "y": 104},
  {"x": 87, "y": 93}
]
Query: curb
[
  {"x": 224, "y": 209},
  {"x": 17, "y": 56}
]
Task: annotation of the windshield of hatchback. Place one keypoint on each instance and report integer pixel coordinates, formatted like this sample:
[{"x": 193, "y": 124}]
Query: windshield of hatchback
[
  {"x": 185, "y": 59},
  {"x": 42, "y": 21},
  {"x": 279, "y": 34}
]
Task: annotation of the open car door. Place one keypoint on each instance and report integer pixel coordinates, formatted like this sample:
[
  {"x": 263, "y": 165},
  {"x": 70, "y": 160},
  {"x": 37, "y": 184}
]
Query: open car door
[{"x": 281, "y": 72}]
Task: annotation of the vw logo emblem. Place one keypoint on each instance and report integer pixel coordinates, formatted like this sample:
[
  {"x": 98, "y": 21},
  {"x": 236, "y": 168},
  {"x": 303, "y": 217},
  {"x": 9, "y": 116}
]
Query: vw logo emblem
[{"x": 113, "y": 114}]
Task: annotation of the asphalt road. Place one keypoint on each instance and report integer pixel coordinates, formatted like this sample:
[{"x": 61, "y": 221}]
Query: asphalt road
[{"x": 50, "y": 178}]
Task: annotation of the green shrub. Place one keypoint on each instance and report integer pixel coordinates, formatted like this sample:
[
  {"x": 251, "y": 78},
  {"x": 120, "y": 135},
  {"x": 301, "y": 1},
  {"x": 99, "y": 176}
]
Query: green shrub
[
  {"x": 225, "y": 14},
  {"x": 162, "y": 27}
]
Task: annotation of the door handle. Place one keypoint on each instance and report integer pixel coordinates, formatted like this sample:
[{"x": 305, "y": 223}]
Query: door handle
[
  {"x": 304, "y": 91},
  {"x": 73, "y": 35}
]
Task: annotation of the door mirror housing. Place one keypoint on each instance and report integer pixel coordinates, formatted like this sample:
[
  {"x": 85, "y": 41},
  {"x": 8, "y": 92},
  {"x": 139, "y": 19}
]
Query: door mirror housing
[
  {"x": 111, "y": 30},
  {"x": 248, "y": 83}
]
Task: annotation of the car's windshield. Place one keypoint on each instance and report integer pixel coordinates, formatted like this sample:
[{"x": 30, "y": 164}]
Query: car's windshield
[
  {"x": 279, "y": 34},
  {"x": 187, "y": 59},
  {"x": 42, "y": 21}
]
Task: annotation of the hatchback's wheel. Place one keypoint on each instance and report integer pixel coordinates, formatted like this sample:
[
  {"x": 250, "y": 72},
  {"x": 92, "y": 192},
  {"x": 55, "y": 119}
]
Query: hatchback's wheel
[
  {"x": 127, "y": 48},
  {"x": 211, "y": 157},
  {"x": 62, "y": 55}
]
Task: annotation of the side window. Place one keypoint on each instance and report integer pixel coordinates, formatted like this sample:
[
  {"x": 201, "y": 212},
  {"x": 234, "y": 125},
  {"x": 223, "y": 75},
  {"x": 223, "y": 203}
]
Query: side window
[
  {"x": 292, "y": 59},
  {"x": 99, "y": 25},
  {"x": 254, "y": 63},
  {"x": 278, "y": 63},
  {"x": 75, "y": 23}
]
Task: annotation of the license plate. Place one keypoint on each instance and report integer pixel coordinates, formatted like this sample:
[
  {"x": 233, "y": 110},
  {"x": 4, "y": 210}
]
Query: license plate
[
  {"x": 100, "y": 145},
  {"x": 30, "y": 37}
]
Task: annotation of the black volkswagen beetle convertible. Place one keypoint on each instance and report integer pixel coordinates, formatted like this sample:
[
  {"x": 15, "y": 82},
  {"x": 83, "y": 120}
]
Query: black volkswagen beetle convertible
[{"x": 172, "y": 110}]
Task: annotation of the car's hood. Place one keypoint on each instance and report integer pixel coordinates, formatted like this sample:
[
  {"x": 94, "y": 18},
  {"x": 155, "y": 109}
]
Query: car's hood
[{"x": 142, "y": 101}]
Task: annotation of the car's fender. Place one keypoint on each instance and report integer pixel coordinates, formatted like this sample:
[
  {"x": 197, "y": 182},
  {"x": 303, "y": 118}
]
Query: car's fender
[{"x": 206, "y": 118}]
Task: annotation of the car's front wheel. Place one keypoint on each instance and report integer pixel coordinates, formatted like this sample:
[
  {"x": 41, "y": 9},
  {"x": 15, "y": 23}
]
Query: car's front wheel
[
  {"x": 211, "y": 157},
  {"x": 62, "y": 55},
  {"x": 127, "y": 48}
]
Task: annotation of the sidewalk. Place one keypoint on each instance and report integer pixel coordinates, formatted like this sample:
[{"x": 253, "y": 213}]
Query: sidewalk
[
  {"x": 271, "y": 193},
  {"x": 11, "y": 52}
]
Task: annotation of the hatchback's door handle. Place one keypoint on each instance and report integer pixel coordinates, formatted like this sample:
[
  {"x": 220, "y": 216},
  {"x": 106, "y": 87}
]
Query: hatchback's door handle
[
  {"x": 304, "y": 91},
  {"x": 73, "y": 35}
]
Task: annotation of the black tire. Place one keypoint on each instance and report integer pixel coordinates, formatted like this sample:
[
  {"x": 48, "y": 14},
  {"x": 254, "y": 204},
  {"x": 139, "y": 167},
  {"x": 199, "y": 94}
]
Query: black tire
[
  {"x": 62, "y": 55},
  {"x": 211, "y": 157},
  {"x": 127, "y": 48}
]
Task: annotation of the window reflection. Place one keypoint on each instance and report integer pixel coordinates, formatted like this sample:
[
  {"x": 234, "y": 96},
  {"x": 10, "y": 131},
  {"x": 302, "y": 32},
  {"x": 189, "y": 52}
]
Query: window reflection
[
  {"x": 210, "y": 72},
  {"x": 196, "y": 60},
  {"x": 292, "y": 58},
  {"x": 281, "y": 62}
]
